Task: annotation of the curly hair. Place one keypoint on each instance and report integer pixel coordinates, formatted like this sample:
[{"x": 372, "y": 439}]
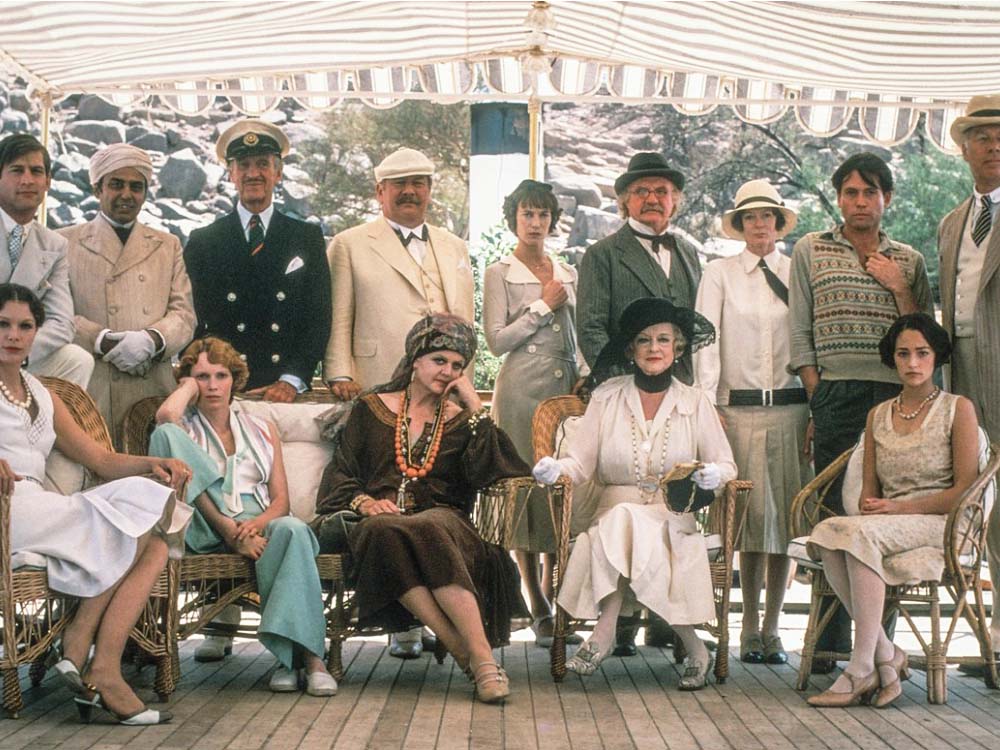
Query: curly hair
[
  {"x": 18, "y": 293},
  {"x": 218, "y": 352}
]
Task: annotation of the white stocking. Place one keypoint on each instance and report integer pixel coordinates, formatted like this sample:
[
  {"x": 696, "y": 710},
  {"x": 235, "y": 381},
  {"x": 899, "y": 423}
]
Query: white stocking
[
  {"x": 694, "y": 645},
  {"x": 867, "y": 603}
]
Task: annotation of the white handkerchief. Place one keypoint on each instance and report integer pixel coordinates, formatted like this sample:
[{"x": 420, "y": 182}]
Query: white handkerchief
[{"x": 295, "y": 265}]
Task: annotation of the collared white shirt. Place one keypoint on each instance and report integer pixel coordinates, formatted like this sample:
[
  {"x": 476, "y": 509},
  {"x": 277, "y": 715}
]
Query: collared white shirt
[
  {"x": 752, "y": 348},
  {"x": 977, "y": 206},
  {"x": 246, "y": 214},
  {"x": 662, "y": 255},
  {"x": 417, "y": 247},
  {"x": 9, "y": 224}
]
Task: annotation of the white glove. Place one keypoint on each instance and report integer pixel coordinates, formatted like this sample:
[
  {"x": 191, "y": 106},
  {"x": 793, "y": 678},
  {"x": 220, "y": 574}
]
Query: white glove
[
  {"x": 133, "y": 352},
  {"x": 708, "y": 477},
  {"x": 547, "y": 470}
]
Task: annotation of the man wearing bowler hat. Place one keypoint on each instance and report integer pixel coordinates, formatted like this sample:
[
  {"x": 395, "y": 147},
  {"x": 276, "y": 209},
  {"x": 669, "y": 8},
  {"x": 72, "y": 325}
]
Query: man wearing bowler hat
[
  {"x": 642, "y": 259},
  {"x": 260, "y": 278},
  {"x": 969, "y": 249}
]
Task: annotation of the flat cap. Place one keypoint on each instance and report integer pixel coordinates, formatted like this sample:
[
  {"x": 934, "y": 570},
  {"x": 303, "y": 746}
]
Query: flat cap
[
  {"x": 118, "y": 156},
  {"x": 250, "y": 138},
  {"x": 403, "y": 162}
]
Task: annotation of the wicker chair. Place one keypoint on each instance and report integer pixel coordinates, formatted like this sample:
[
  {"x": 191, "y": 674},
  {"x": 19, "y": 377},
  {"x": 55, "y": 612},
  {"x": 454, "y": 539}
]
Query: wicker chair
[
  {"x": 33, "y": 615},
  {"x": 200, "y": 586},
  {"x": 964, "y": 546},
  {"x": 720, "y": 519}
]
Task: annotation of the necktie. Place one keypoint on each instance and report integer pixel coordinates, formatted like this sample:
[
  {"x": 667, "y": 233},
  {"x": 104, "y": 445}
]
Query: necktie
[
  {"x": 776, "y": 284},
  {"x": 983, "y": 222},
  {"x": 405, "y": 239},
  {"x": 14, "y": 245},
  {"x": 256, "y": 234},
  {"x": 658, "y": 240}
]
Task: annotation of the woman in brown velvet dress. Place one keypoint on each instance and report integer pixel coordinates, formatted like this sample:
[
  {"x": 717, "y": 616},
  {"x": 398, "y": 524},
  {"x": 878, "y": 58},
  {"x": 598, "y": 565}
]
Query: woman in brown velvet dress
[{"x": 410, "y": 462}]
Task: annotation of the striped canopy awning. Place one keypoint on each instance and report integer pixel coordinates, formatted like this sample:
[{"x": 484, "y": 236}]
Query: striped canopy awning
[{"x": 889, "y": 61}]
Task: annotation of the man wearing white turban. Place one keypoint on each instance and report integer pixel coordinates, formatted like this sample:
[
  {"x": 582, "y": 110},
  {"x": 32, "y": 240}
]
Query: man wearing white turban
[{"x": 130, "y": 289}]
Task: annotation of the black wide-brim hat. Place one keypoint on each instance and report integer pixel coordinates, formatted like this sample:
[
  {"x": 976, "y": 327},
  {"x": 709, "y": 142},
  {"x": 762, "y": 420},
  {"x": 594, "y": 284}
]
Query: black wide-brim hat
[
  {"x": 640, "y": 315},
  {"x": 648, "y": 164}
]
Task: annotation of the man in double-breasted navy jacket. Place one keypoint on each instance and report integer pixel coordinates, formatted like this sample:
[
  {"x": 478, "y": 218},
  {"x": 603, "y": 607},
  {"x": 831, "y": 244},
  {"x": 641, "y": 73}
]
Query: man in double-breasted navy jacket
[{"x": 260, "y": 278}]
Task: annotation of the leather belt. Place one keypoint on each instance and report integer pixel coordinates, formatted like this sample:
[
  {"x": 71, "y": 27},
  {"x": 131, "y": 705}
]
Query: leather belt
[{"x": 768, "y": 397}]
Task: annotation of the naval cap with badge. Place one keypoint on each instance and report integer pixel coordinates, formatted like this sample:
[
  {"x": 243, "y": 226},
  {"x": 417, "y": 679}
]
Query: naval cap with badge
[{"x": 251, "y": 137}]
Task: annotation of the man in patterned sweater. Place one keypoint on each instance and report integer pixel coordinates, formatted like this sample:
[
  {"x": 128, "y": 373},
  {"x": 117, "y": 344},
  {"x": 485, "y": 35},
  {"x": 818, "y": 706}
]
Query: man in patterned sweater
[{"x": 847, "y": 286}]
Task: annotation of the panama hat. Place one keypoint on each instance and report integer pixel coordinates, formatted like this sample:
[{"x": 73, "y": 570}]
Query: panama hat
[{"x": 757, "y": 194}]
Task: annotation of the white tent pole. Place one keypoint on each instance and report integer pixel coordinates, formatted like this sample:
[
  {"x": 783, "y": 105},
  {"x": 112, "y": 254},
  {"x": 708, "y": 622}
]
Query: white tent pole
[
  {"x": 46, "y": 99},
  {"x": 534, "y": 121}
]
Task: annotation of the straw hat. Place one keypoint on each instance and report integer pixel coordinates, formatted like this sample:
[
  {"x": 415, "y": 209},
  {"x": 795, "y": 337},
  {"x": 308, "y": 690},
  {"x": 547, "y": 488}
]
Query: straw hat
[
  {"x": 757, "y": 194},
  {"x": 981, "y": 110}
]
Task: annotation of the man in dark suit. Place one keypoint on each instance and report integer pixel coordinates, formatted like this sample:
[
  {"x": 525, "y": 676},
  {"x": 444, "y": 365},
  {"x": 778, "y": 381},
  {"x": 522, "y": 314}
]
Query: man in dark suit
[
  {"x": 642, "y": 259},
  {"x": 260, "y": 278}
]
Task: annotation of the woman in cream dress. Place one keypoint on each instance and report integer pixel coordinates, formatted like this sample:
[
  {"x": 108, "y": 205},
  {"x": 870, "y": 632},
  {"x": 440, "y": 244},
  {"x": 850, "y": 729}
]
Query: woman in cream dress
[
  {"x": 638, "y": 552},
  {"x": 762, "y": 406},
  {"x": 105, "y": 545},
  {"x": 920, "y": 457},
  {"x": 529, "y": 306}
]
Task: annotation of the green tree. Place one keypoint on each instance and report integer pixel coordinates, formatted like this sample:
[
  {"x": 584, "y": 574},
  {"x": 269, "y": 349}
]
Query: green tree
[{"x": 494, "y": 243}]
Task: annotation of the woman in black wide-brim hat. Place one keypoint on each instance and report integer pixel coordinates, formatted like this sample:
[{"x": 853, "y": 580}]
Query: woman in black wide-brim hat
[{"x": 642, "y": 548}]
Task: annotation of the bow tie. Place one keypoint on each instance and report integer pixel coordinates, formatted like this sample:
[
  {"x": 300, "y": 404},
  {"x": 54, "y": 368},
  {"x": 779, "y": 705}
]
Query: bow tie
[
  {"x": 658, "y": 240},
  {"x": 405, "y": 239}
]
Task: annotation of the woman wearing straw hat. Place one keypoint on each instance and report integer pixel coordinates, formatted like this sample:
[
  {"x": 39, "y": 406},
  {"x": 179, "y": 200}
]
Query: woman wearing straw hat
[{"x": 763, "y": 407}]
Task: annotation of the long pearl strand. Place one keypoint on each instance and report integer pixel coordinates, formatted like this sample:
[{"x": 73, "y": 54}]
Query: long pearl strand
[
  {"x": 28, "y": 401},
  {"x": 648, "y": 484}
]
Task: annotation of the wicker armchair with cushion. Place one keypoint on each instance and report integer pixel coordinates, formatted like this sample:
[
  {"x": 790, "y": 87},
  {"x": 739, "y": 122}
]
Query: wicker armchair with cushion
[
  {"x": 553, "y": 424},
  {"x": 964, "y": 546},
  {"x": 33, "y": 615},
  {"x": 201, "y": 586}
]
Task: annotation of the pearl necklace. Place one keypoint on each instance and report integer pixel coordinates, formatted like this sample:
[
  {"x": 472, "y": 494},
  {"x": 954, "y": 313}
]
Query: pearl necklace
[
  {"x": 649, "y": 483},
  {"x": 920, "y": 407},
  {"x": 26, "y": 404}
]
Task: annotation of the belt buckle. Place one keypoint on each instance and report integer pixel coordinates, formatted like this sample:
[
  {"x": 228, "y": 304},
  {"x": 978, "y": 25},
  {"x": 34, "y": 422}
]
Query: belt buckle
[{"x": 767, "y": 397}]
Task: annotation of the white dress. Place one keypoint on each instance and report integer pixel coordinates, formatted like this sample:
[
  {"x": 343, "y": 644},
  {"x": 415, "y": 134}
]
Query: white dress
[
  {"x": 659, "y": 551},
  {"x": 87, "y": 540}
]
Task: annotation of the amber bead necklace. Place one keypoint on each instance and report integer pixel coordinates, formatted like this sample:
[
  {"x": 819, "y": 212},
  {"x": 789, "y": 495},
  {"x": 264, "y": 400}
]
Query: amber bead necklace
[{"x": 411, "y": 468}]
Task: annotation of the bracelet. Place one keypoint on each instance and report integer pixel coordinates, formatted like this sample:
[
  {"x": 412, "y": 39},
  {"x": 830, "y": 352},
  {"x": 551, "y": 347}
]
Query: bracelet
[
  {"x": 358, "y": 501},
  {"x": 478, "y": 417}
]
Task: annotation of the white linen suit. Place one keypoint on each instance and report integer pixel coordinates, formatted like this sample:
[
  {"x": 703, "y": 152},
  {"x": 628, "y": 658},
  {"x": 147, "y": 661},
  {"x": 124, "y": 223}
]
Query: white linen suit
[{"x": 380, "y": 291}]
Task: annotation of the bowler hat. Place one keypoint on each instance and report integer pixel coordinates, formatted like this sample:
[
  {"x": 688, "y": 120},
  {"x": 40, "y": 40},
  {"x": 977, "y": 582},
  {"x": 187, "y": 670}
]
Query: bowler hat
[{"x": 648, "y": 164}]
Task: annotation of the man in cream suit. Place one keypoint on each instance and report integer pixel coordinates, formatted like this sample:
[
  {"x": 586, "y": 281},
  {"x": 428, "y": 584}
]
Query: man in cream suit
[
  {"x": 385, "y": 276},
  {"x": 969, "y": 250},
  {"x": 35, "y": 257},
  {"x": 130, "y": 289},
  {"x": 389, "y": 273}
]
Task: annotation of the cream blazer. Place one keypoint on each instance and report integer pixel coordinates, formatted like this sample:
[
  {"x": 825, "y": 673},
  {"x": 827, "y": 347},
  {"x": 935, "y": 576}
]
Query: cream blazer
[
  {"x": 377, "y": 297},
  {"x": 143, "y": 285}
]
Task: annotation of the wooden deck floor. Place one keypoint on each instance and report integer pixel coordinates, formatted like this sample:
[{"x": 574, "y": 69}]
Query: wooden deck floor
[{"x": 630, "y": 703}]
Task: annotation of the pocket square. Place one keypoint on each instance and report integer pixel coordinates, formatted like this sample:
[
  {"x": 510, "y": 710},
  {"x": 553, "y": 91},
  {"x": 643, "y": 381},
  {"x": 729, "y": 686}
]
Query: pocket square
[{"x": 295, "y": 264}]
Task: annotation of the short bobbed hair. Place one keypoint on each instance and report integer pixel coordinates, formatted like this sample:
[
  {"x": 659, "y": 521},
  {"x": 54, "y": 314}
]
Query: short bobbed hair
[
  {"x": 531, "y": 194},
  {"x": 18, "y": 293},
  {"x": 932, "y": 331},
  {"x": 218, "y": 352},
  {"x": 779, "y": 219}
]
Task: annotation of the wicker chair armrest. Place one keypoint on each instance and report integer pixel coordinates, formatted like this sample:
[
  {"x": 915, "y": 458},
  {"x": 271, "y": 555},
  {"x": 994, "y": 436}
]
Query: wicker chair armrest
[
  {"x": 495, "y": 506},
  {"x": 965, "y": 528},
  {"x": 805, "y": 510},
  {"x": 723, "y": 518},
  {"x": 140, "y": 419}
]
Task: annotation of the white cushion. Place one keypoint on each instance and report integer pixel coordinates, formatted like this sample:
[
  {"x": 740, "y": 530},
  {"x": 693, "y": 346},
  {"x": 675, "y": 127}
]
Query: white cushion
[
  {"x": 854, "y": 477},
  {"x": 304, "y": 465},
  {"x": 295, "y": 422},
  {"x": 798, "y": 553}
]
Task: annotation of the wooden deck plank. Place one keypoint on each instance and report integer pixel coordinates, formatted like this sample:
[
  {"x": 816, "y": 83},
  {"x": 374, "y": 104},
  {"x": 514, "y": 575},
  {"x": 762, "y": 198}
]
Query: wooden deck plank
[{"x": 419, "y": 705}]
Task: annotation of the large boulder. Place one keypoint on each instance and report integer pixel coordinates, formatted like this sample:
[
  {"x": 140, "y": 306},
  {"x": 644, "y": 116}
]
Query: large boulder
[
  {"x": 95, "y": 108},
  {"x": 150, "y": 141},
  {"x": 72, "y": 166},
  {"x": 96, "y": 131},
  {"x": 579, "y": 187},
  {"x": 20, "y": 101},
  {"x": 62, "y": 214},
  {"x": 66, "y": 192},
  {"x": 14, "y": 121},
  {"x": 298, "y": 197},
  {"x": 182, "y": 176},
  {"x": 171, "y": 209},
  {"x": 590, "y": 225}
]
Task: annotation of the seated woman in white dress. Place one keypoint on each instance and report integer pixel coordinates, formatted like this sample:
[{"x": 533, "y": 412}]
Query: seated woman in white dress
[
  {"x": 104, "y": 545},
  {"x": 897, "y": 538},
  {"x": 643, "y": 549},
  {"x": 240, "y": 493}
]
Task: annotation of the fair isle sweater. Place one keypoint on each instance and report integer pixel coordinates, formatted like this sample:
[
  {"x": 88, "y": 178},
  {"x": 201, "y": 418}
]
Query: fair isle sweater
[{"x": 839, "y": 312}]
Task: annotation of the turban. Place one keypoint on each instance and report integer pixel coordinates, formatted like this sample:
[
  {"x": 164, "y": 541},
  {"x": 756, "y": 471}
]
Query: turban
[
  {"x": 118, "y": 156},
  {"x": 431, "y": 334}
]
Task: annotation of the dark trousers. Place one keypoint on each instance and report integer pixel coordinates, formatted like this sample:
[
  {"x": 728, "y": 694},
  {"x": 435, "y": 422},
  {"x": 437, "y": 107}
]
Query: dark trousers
[{"x": 839, "y": 411}]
